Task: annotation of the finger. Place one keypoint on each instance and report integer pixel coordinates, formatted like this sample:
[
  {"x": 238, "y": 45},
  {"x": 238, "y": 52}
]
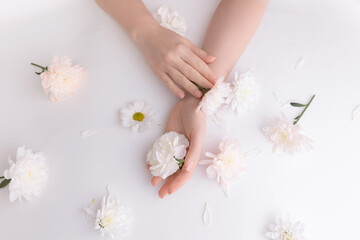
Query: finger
[
  {"x": 172, "y": 86},
  {"x": 196, "y": 144},
  {"x": 155, "y": 181},
  {"x": 184, "y": 82},
  {"x": 193, "y": 75},
  {"x": 164, "y": 189},
  {"x": 200, "y": 53},
  {"x": 175, "y": 183},
  {"x": 201, "y": 67}
]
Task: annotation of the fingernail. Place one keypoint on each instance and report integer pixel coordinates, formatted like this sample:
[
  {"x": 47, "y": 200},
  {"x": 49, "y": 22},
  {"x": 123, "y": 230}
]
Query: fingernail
[
  {"x": 198, "y": 93},
  {"x": 189, "y": 167},
  {"x": 181, "y": 95},
  {"x": 211, "y": 58}
]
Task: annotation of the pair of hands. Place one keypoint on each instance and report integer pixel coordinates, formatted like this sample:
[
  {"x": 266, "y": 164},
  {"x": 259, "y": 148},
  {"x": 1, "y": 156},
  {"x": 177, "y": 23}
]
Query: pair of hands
[
  {"x": 184, "y": 120},
  {"x": 178, "y": 62}
]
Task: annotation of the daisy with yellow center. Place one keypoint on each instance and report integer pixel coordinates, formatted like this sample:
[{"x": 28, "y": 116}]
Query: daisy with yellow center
[{"x": 137, "y": 115}]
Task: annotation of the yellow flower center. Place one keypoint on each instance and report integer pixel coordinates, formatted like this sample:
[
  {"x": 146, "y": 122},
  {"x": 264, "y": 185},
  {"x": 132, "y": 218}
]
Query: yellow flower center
[
  {"x": 65, "y": 80},
  {"x": 138, "y": 116},
  {"x": 283, "y": 135},
  {"x": 287, "y": 235}
]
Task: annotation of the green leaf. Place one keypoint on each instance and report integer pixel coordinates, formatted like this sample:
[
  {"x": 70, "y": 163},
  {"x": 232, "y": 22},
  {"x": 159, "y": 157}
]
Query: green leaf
[
  {"x": 294, "y": 104},
  {"x": 4, "y": 183}
]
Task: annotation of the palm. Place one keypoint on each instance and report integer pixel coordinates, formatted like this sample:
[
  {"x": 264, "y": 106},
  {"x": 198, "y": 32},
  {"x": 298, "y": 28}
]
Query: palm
[{"x": 184, "y": 120}]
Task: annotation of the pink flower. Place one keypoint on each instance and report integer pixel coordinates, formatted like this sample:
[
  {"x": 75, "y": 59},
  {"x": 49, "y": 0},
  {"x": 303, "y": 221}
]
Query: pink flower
[
  {"x": 227, "y": 166},
  {"x": 61, "y": 79},
  {"x": 286, "y": 136}
]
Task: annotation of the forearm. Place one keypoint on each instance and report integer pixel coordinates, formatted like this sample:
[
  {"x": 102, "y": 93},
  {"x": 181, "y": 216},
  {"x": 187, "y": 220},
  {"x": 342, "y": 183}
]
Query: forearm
[
  {"x": 233, "y": 25},
  {"x": 132, "y": 15}
]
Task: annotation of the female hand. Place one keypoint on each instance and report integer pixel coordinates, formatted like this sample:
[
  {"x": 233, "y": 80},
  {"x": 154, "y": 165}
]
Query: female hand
[
  {"x": 175, "y": 60},
  {"x": 184, "y": 120}
]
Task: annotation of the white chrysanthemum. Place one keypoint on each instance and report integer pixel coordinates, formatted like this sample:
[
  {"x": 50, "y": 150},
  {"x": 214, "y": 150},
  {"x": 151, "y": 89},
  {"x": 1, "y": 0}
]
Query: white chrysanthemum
[
  {"x": 62, "y": 78},
  {"x": 245, "y": 92},
  {"x": 285, "y": 230},
  {"x": 28, "y": 174},
  {"x": 112, "y": 218},
  {"x": 170, "y": 19},
  {"x": 216, "y": 97},
  {"x": 286, "y": 136},
  {"x": 226, "y": 166},
  {"x": 163, "y": 156},
  {"x": 138, "y": 115}
]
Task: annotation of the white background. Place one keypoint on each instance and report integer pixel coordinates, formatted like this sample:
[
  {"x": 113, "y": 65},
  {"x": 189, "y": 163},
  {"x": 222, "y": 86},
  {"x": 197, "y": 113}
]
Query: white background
[{"x": 320, "y": 188}]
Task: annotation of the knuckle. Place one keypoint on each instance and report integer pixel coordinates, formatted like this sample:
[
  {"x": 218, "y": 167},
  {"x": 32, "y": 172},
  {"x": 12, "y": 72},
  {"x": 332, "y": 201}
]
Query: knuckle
[
  {"x": 179, "y": 47},
  {"x": 168, "y": 57}
]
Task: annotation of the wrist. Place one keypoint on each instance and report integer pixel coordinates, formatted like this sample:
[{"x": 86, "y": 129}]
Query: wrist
[{"x": 142, "y": 31}]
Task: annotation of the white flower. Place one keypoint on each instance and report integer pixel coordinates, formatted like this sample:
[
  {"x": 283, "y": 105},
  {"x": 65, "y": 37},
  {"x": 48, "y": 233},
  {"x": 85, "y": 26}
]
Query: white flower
[
  {"x": 112, "y": 218},
  {"x": 170, "y": 19},
  {"x": 245, "y": 92},
  {"x": 218, "y": 96},
  {"x": 285, "y": 230},
  {"x": 138, "y": 115},
  {"x": 162, "y": 156},
  {"x": 226, "y": 166},
  {"x": 28, "y": 174},
  {"x": 286, "y": 136},
  {"x": 62, "y": 78}
]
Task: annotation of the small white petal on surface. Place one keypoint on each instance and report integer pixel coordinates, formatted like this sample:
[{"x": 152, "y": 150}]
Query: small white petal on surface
[
  {"x": 207, "y": 218},
  {"x": 356, "y": 113},
  {"x": 89, "y": 132},
  {"x": 300, "y": 62},
  {"x": 281, "y": 103}
]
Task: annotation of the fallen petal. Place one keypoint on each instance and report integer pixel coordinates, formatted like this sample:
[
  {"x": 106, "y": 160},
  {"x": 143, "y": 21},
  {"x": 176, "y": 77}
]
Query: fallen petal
[
  {"x": 299, "y": 63},
  {"x": 89, "y": 132},
  {"x": 207, "y": 215}
]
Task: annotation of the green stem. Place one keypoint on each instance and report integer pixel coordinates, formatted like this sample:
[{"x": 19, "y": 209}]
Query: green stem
[
  {"x": 2, "y": 177},
  {"x": 180, "y": 161},
  {"x": 203, "y": 90},
  {"x": 297, "y": 119},
  {"x": 42, "y": 68}
]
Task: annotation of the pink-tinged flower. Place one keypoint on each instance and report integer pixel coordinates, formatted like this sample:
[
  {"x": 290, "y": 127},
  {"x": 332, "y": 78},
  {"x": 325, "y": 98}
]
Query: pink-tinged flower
[
  {"x": 218, "y": 96},
  {"x": 286, "y": 136},
  {"x": 226, "y": 166},
  {"x": 61, "y": 79}
]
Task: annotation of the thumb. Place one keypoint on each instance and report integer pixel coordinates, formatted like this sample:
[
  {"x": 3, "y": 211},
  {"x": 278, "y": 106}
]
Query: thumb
[{"x": 195, "y": 149}]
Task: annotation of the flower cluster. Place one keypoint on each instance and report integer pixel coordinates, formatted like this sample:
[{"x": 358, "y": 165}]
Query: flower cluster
[
  {"x": 61, "y": 79},
  {"x": 284, "y": 229},
  {"x": 226, "y": 166},
  {"x": 241, "y": 94},
  {"x": 27, "y": 176},
  {"x": 167, "y": 154},
  {"x": 137, "y": 115},
  {"x": 170, "y": 19},
  {"x": 111, "y": 218}
]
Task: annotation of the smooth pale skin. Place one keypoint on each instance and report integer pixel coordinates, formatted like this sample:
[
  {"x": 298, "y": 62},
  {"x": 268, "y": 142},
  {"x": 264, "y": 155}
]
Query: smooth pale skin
[
  {"x": 232, "y": 27},
  {"x": 183, "y": 120},
  {"x": 175, "y": 59}
]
